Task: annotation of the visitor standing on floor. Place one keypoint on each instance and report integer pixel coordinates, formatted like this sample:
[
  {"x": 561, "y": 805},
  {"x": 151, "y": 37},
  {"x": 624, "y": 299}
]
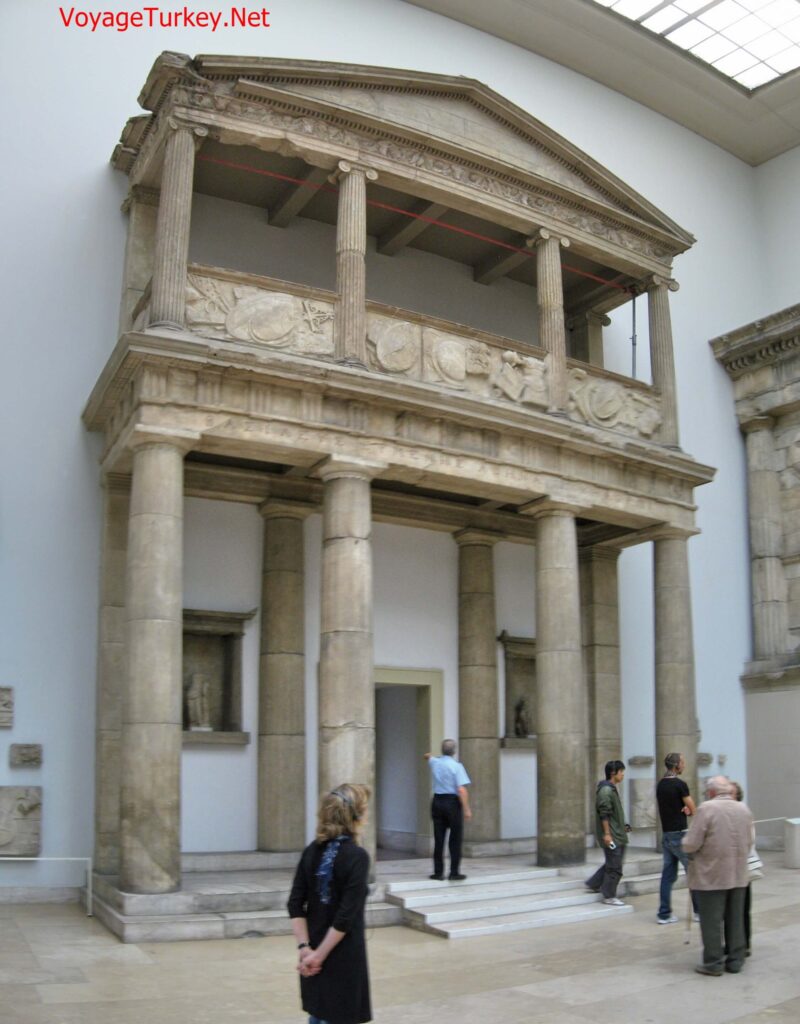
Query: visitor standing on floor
[
  {"x": 612, "y": 834},
  {"x": 718, "y": 843},
  {"x": 675, "y": 806},
  {"x": 449, "y": 808},
  {"x": 754, "y": 867},
  {"x": 326, "y": 906}
]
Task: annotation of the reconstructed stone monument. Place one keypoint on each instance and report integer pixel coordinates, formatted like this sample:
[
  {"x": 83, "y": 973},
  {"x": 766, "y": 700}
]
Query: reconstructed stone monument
[
  {"x": 295, "y": 398},
  {"x": 20, "y": 821}
]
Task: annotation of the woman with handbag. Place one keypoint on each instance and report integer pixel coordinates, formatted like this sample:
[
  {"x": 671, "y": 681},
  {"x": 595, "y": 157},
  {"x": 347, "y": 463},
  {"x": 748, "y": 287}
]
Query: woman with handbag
[{"x": 326, "y": 906}]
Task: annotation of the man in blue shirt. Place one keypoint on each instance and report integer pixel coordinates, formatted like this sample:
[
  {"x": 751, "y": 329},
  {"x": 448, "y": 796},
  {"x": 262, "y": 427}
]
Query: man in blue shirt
[{"x": 449, "y": 808}]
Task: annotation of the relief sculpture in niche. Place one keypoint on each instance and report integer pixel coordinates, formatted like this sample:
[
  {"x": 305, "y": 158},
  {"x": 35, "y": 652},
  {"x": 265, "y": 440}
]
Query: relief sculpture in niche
[
  {"x": 6, "y": 707},
  {"x": 395, "y": 346},
  {"x": 224, "y": 309},
  {"x": 20, "y": 821},
  {"x": 522, "y": 379},
  {"x": 606, "y": 403}
]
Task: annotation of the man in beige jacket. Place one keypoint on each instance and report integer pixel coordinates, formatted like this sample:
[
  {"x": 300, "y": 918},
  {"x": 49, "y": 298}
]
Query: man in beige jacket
[{"x": 718, "y": 843}]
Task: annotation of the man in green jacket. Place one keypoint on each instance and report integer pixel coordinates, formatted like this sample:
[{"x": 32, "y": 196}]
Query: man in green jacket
[{"x": 612, "y": 834}]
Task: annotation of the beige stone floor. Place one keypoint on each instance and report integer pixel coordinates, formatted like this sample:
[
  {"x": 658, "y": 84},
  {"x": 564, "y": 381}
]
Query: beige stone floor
[{"x": 59, "y": 967}]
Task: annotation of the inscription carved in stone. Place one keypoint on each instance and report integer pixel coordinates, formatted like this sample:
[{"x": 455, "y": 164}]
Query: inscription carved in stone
[
  {"x": 25, "y": 755},
  {"x": 643, "y": 803},
  {"x": 6, "y": 707},
  {"x": 220, "y": 308},
  {"x": 20, "y": 821},
  {"x": 607, "y": 403}
]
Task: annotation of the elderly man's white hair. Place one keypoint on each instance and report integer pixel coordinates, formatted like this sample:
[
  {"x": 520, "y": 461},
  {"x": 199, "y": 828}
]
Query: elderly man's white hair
[{"x": 719, "y": 785}]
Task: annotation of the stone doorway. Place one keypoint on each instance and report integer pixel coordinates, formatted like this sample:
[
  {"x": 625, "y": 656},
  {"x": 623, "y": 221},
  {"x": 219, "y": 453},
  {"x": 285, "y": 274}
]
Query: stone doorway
[{"x": 409, "y": 719}]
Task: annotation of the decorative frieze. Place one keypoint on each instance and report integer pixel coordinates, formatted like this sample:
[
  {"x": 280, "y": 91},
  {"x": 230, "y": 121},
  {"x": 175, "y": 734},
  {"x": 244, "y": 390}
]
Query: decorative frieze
[
  {"x": 608, "y": 403},
  {"x": 6, "y": 707},
  {"x": 25, "y": 755}
]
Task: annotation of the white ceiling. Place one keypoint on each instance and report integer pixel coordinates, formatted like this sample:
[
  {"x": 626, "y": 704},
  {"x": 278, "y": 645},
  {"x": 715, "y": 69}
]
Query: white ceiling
[{"x": 754, "y": 126}]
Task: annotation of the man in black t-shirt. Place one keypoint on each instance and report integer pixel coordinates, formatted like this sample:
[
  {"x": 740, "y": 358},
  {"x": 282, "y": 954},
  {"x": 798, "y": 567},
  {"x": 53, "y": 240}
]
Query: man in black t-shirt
[{"x": 674, "y": 807}]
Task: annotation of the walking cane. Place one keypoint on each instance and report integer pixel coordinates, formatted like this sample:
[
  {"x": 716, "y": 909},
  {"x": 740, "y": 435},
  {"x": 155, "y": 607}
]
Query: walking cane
[{"x": 689, "y": 915}]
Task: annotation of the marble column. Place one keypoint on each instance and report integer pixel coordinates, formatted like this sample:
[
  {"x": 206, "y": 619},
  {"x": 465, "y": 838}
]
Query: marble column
[
  {"x": 662, "y": 359},
  {"x": 110, "y": 673},
  {"x": 600, "y": 631},
  {"x": 552, "y": 328},
  {"x": 168, "y": 291},
  {"x": 346, "y": 684},
  {"x": 586, "y": 337},
  {"x": 478, "y": 714},
  {"x": 141, "y": 206},
  {"x": 561, "y": 772},
  {"x": 282, "y": 679},
  {"x": 350, "y": 325},
  {"x": 676, "y": 712},
  {"x": 770, "y": 619},
  {"x": 152, "y": 718}
]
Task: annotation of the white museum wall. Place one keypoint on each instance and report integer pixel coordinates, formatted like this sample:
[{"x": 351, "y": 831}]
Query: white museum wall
[
  {"x": 222, "y": 572},
  {"x": 62, "y": 270},
  {"x": 778, "y": 199}
]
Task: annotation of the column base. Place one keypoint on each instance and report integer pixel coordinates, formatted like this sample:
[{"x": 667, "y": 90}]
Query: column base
[{"x": 555, "y": 852}]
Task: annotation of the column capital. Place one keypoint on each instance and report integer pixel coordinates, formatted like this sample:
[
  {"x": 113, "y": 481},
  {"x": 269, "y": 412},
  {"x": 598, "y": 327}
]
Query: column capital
[
  {"x": 334, "y": 467},
  {"x": 658, "y": 280},
  {"x": 667, "y": 532},
  {"x": 345, "y": 167},
  {"x": 590, "y": 317},
  {"x": 142, "y": 436},
  {"x": 116, "y": 483},
  {"x": 286, "y": 508},
  {"x": 756, "y": 423},
  {"x": 141, "y": 194},
  {"x": 605, "y": 551},
  {"x": 540, "y": 507},
  {"x": 176, "y": 124},
  {"x": 470, "y": 536},
  {"x": 543, "y": 235}
]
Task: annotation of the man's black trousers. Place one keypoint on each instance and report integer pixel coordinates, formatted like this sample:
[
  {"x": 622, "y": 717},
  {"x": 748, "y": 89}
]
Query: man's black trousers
[{"x": 447, "y": 813}]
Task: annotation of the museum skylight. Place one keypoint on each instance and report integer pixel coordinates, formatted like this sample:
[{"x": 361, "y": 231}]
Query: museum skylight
[{"x": 750, "y": 41}]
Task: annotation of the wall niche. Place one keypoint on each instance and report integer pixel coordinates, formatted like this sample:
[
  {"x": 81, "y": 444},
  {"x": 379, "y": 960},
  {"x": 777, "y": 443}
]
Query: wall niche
[
  {"x": 212, "y": 677},
  {"x": 520, "y": 660}
]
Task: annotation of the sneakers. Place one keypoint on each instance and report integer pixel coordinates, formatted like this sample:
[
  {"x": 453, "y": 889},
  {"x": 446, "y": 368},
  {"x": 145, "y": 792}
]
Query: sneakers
[
  {"x": 696, "y": 918},
  {"x": 612, "y": 901},
  {"x": 672, "y": 919}
]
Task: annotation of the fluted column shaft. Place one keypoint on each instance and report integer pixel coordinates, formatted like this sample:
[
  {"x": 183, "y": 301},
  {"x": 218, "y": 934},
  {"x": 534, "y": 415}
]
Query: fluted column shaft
[
  {"x": 561, "y": 773},
  {"x": 477, "y": 681},
  {"x": 168, "y": 292},
  {"x": 600, "y": 629},
  {"x": 346, "y": 684},
  {"x": 152, "y": 701},
  {"x": 662, "y": 359},
  {"x": 110, "y": 674},
  {"x": 350, "y": 325},
  {"x": 552, "y": 328},
  {"x": 770, "y": 618},
  {"x": 676, "y": 712},
  {"x": 281, "y": 703}
]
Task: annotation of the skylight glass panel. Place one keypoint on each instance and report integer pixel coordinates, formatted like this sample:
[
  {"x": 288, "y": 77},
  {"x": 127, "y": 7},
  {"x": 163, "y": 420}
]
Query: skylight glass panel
[{"x": 751, "y": 41}]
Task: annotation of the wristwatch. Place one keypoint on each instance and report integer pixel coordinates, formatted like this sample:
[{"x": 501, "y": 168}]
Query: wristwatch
[{"x": 303, "y": 945}]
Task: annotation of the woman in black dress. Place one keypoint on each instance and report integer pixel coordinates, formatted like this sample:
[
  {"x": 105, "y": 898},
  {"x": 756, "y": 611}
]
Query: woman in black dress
[{"x": 326, "y": 906}]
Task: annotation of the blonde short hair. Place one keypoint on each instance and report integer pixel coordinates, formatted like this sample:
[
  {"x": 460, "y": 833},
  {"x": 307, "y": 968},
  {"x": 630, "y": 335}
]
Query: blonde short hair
[{"x": 341, "y": 811}]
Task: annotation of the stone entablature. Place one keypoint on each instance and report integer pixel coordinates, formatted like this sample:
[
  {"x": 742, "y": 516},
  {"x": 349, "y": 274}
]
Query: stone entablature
[{"x": 281, "y": 316}]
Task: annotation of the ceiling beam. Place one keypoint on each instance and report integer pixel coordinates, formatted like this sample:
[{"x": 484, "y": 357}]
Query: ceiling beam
[
  {"x": 404, "y": 230},
  {"x": 498, "y": 265},
  {"x": 297, "y": 197}
]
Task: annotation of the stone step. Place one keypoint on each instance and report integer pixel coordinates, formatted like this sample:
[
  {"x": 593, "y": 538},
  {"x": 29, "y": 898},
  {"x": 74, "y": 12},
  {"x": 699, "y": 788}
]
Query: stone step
[
  {"x": 233, "y": 925},
  {"x": 246, "y": 860},
  {"x": 523, "y": 874},
  {"x": 523, "y": 921},
  {"x": 498, "y": 907},
  {"x": 644, "y": 885},
  {"x": 458, "y": 894}
]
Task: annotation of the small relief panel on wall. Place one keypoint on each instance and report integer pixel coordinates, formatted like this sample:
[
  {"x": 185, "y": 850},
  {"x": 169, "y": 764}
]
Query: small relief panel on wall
[
  {"x": 642, "y": 802},
  {"x": 25, "y": 755},
  {"x": 6, "y": 707},
  {"x": 20, "y": 821}
]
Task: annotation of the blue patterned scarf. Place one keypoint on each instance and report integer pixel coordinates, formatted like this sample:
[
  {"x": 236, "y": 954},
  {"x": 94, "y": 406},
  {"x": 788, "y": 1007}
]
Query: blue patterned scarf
[{"x": 325, "y": 869}]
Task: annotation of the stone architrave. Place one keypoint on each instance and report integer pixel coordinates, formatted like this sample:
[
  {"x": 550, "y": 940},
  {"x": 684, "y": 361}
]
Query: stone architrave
[
  {"x": 346, "y": 686},
  {"x": 350, "y": 326},
  {"x": 281, "y": 704},
  {"x": 6, "y": 707},
  {"x": 561, "y": 771},
  {"x": 25, "y": 755},
  {"x": 662, "y": 358},
  {"x": 152, "y": 716},
  {"x": 477, "y": 681},
  {"x": 20, "y": 821},
  {"x": 676, "y": 712},
  {"x": 552, "y": 327}
]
